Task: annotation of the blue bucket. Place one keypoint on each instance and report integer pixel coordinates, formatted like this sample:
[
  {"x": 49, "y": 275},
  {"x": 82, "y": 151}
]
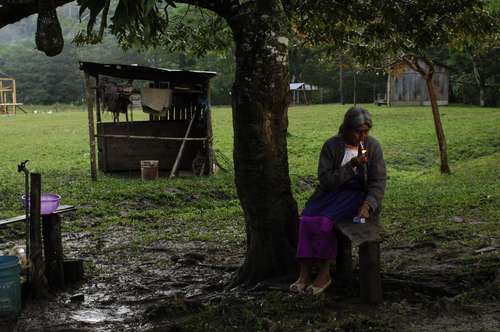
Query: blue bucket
[{"x": 10, "y": 286}]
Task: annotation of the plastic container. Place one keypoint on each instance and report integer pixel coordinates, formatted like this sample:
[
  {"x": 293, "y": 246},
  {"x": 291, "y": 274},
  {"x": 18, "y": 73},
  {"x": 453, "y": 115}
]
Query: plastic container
[
  {"x": 10, "y": 287},
  {"x": 49, "y": 202},
  {"x": 20, "y": 253},
  {"x": 149, "y": 169}
]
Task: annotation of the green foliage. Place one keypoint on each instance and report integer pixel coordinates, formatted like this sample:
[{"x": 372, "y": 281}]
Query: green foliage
[
  {"x": 133, "y": 22},
  {"x": 197, "y": 32},
  {"x": 39, "y": 78},
  {"x": 377, "y": 32},
  {"x": 195, "y": 38},
  {"x": 46, "y": 80},
  {"x": 151, "y": 24}
]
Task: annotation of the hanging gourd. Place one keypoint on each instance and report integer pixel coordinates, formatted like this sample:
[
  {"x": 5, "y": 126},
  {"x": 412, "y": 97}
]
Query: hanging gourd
[{"x": 48, "y": 37}]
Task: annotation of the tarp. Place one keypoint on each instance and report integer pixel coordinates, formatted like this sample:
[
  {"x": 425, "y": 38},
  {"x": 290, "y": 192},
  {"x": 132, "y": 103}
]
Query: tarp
[
  {"x": 158, "y": 100},
  {"x": 303, "y": 86}
]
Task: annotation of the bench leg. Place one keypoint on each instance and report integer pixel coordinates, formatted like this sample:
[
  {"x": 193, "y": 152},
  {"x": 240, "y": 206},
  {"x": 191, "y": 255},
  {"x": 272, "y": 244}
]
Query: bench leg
[
  {"x": 369, "y": 272},
  {"x": 344, "y": 257},
  {"x": 52, "y": 243}
]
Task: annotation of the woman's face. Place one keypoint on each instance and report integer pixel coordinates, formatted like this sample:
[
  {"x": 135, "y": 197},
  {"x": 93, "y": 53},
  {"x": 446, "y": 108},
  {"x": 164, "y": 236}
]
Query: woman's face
[{"x": 355, "y": 136}]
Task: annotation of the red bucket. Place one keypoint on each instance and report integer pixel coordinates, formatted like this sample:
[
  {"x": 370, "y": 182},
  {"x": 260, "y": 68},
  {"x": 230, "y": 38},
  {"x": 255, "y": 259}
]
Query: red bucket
[{"x": 149, "y": 169}]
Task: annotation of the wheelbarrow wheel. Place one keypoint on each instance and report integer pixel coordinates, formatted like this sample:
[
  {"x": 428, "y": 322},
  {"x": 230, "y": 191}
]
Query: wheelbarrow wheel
[{"x": 199, "y": 164}]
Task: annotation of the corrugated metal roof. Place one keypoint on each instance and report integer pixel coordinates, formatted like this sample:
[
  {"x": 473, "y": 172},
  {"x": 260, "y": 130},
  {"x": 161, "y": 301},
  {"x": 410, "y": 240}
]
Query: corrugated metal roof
[
  {"x": 296, "y": 86},
  {"x": 146, "y": 73},
  {"x": 303, "y": 86}
]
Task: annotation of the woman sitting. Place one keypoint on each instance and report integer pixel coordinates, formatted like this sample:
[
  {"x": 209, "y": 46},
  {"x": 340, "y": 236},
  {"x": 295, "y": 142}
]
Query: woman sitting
[{"x": 352, "y": 178}]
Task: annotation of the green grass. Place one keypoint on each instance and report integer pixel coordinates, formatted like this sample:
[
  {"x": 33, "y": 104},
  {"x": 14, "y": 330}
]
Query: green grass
[{"x": 418, "y": 205}]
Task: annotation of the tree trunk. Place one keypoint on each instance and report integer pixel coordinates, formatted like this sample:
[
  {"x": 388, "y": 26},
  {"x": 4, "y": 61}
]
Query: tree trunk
[
  {"x": 443, "y": 151},
  {"x": 354, "y": 89},
  {"x": 341, "y": 82},
  {"x": 388, "y": 90},
  {"x": 260, "y": 105},
  {"x": 425, "y": 68},
  {"x": 479, "y": 82}
]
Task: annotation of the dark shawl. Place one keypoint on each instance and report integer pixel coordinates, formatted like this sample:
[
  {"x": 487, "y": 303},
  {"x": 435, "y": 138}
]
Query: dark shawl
[{"x": 331, "y": 175}]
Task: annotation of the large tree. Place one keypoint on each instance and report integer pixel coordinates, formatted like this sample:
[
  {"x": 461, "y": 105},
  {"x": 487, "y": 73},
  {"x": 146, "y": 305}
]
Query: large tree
[{"x": 260, "y": 32}]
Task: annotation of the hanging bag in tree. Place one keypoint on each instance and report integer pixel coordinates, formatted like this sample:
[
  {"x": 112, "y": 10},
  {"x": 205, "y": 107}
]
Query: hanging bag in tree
[{"x": 49, "y": 37}]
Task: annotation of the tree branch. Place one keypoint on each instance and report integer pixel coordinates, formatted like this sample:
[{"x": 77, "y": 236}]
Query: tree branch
[
  {"x": 412, "y": 62},
  {"x": 223, "y": 8},
  {"x": 11, "y": 12}
]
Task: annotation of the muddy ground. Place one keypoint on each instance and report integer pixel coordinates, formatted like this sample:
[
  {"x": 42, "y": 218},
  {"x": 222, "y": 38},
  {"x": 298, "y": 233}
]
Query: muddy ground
[{"x": 180, "y": 286}]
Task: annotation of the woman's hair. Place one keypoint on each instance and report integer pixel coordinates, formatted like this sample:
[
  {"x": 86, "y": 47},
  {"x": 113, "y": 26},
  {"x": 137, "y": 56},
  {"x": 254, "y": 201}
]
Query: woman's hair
[{"x": 355, "y": 117}]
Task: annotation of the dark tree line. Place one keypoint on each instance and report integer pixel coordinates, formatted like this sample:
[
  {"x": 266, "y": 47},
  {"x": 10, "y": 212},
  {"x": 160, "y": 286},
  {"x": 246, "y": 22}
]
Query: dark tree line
[
  {"x": 309, "y": 65},
  {"x": 472, "y": 75}
]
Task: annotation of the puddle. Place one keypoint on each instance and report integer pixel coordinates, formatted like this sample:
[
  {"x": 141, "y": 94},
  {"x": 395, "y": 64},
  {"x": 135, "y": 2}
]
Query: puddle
[{"x": 94, "y": 316}]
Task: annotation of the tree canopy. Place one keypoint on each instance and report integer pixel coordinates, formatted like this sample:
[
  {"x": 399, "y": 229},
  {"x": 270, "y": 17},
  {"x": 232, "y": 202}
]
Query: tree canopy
[{"x": 379, "y": 31}]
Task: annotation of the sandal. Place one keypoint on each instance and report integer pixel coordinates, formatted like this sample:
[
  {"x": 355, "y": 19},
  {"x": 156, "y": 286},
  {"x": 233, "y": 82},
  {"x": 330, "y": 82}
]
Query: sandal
[
  {"x": 298, "y": 287},
  {"x": 318, "y": 290}
]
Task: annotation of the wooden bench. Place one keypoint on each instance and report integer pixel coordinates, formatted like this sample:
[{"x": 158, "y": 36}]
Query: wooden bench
[
  {"x": 60, "y": 209},
  {"x": 367, "y": 238}
]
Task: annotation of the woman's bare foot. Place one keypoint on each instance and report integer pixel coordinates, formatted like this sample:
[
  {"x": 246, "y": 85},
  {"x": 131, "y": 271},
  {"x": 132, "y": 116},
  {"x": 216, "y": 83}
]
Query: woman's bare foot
[
  {"x": 304, "y": 280},
  {"x": 299, "y": 286},
  {"x": 322, "y": 279}
]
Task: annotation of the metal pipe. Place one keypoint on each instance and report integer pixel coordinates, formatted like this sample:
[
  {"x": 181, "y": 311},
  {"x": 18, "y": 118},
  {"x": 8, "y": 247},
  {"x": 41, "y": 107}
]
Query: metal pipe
[{"x": 22, "y": 168}]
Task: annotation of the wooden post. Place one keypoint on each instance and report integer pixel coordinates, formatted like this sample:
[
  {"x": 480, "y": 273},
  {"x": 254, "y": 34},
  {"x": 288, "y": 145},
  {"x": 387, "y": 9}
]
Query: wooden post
[
  {"x": 14, "y": 96},
  {"x": 97, "y": 100},
  {"x": 53, "y": 250},
  {"x": 369, "y": 272},
  {"x": 341, "y": 81},
  {"x": 389, "y": 90},
  {"x": 90, "y": 102},
  {"x": 37, "y": 270},
  {"x": 354, "y": 88},
  {"x": 210, "y": 148},
  {"x": 179, "y": 154},
  {"x": 2, "y": 101},
  {"x": 344, "y": 257}
]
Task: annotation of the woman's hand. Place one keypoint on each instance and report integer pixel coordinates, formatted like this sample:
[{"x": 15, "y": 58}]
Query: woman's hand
[
  {"x": 360, "y": 160},
  {"x": 364, "y": 211}
]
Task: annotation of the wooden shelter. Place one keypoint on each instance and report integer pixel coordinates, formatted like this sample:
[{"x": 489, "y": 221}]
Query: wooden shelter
[
  {"x": 407, "y": 87},
  {"x": 301, "y": 92},
  {"x": 177, "y": 131},
  {"x": 8, "y": 95}
]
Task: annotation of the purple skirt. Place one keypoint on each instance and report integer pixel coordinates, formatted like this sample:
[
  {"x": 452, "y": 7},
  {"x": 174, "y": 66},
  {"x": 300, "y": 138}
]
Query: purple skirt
[{"x": 317, "y": 238}]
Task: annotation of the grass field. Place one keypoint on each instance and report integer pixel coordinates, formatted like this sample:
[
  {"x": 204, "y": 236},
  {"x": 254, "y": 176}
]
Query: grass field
[
  {"x": 458, "y": 211},
  {"x": 419, "y": 201}
]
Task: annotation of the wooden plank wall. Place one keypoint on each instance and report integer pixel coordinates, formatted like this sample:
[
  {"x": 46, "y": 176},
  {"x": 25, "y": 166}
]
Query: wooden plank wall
[
  {"x": 184, "y": 106},
  {"x": 409, "y": 88},
  {"x": 124, "y": 154}
]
